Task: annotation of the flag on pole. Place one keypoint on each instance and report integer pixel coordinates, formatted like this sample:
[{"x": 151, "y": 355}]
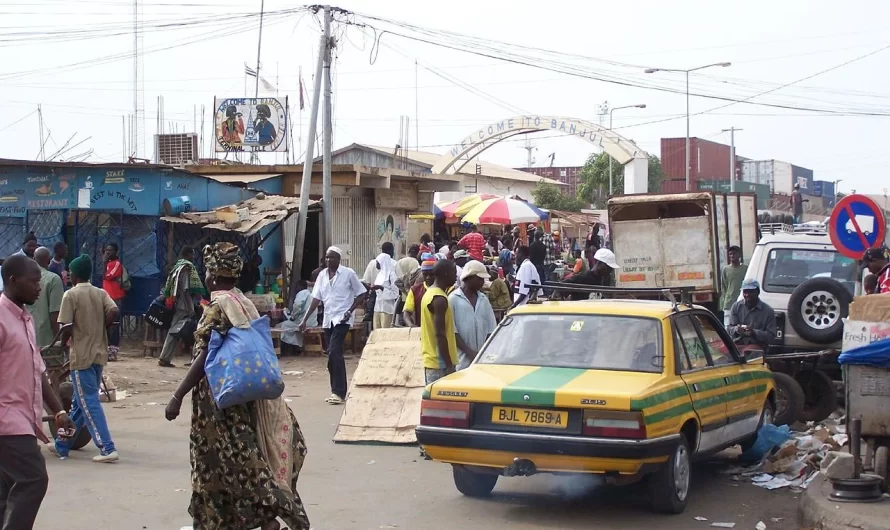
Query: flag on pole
[
  {"x": 267, "y": 85},
  {"x": 249, "y": 71},
  {"x": 302, "y": 104}
]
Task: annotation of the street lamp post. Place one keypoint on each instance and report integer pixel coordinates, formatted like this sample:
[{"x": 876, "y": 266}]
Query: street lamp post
[
  {"x": 653, "y": 70},
  {"x": 639, "y": 106},
  {"x": 836, "y": 191}
]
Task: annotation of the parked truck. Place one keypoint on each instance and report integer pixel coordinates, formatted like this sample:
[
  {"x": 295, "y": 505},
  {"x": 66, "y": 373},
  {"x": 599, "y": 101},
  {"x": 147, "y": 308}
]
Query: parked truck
[{"x": 681, "y": 239}]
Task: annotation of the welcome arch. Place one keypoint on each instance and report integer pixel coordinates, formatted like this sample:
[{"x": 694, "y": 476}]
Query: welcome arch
[{"x": 623, "y": 150}]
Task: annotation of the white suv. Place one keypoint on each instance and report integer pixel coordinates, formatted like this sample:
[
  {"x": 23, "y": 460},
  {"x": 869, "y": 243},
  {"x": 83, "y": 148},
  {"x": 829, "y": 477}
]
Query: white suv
[{"x": 809, "y": 285}]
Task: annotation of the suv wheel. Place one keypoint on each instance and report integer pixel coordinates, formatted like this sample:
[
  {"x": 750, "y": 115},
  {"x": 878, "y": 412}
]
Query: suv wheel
[{"x": 817, "y": 308}]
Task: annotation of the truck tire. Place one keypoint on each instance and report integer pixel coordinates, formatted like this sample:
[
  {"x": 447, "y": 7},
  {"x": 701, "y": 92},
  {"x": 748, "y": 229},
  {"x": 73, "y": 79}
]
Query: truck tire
[
  {"x": 820, "y": 395},
  {"x": 789, "y": 399},
  {"x": 817, "y": 308}
]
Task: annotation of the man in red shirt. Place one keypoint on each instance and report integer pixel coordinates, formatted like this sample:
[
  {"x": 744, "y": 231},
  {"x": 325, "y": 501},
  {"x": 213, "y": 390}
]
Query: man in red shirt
[
  {"x": 112, "y": 283},
  {"x": 474, "y": 242},
  {"x": 23, "y": 390},
  {"x": 877, "y": 260}
]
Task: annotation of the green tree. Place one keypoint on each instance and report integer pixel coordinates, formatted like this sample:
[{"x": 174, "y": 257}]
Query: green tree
[
  {"x": 594, "y": 186},
  {"x": 550, "y": 197}
]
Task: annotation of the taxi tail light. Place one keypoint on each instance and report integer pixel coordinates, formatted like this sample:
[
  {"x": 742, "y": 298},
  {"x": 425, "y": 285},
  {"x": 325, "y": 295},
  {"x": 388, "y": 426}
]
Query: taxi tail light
[
  {"x": 444, "y": 413},
  {"x": 614, "y": 424}
]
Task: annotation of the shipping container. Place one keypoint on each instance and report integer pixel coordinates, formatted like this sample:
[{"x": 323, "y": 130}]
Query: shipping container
[
  {"x": 707, "y": 160},
  {"x": 673, "y": 186},
  {"x": 804, "y": 178},
  {"x": 823, "y": 188},
  {"x": 723, "y": 186},
  {"x": 774, "y": 173}
]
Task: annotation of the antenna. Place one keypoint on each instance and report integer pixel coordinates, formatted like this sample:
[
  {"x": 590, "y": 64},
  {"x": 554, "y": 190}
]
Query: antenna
[
  {"x": 42, "y": 154},
  {"x": 529, "y": 149}
]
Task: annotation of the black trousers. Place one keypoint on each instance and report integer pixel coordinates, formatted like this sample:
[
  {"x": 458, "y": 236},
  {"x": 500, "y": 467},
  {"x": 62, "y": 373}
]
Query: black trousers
[
  {"x": 336, "y": 336},
  {"x": 23, "y": 482}
]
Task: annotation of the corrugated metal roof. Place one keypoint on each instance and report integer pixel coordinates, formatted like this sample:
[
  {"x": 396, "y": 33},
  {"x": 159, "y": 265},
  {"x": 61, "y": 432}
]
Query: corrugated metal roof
[
  {"x": 245, "y": 178},
  {"x": 264, "y": 211}
]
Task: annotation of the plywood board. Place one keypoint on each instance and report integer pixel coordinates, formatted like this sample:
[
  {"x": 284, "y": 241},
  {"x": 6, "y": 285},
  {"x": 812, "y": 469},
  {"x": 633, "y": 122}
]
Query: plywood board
[{"x": 383, "y": 405}]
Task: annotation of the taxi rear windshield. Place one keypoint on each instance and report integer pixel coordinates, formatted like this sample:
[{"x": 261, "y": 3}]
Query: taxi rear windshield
[{"x": 594, "y": 342}]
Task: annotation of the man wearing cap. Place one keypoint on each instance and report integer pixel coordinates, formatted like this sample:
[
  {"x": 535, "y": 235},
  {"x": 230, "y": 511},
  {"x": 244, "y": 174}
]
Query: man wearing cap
[
  {"x": 474, "y": 242},
  {"x": 341, "y": 292},
  {"x": 751, "y": 321},
  {"x": 600, "y": 273},
  {"x": 416, "y": 292},
  {"x": 797, "y": 201},
  {"x": 460, "y": 259},
  {"x": 474, "y": 318},
  {"x": 877, "y": 260}
]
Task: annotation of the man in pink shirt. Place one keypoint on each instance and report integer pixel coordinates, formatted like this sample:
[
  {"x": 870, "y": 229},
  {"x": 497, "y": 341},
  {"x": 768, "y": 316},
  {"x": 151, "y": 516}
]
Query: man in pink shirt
[{"x": 23, "y": 390}]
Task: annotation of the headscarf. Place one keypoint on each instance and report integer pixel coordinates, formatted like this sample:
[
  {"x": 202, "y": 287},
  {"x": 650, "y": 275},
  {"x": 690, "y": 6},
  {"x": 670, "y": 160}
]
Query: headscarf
[
  {"x": 195, "y": 286},
  {"x": 82, "y": 267},
  {"x": 222, "y": 259},
  {"x": 386, "y": 276}
]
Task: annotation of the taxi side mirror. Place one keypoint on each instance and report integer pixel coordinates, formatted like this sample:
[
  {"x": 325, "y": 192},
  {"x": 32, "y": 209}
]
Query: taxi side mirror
[{"x": 751, "y": 355}]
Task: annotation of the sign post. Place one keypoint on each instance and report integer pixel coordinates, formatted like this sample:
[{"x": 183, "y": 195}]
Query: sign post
[{"x": 856, "y": 224}]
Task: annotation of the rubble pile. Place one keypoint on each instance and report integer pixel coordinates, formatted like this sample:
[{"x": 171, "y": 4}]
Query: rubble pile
[{"x": 795, "y": 460}]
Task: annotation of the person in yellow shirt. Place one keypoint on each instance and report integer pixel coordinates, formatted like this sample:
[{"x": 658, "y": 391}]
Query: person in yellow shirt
[
  {"x": 438, "y": 345},
  {"x": 416, "y": 292}
]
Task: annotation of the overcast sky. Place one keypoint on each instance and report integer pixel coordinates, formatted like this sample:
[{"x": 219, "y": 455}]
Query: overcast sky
[{"x": 769, "y": 44}]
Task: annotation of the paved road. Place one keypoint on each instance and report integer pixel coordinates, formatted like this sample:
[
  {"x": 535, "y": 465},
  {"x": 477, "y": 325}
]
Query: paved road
[{"x": 360, "y": 487}]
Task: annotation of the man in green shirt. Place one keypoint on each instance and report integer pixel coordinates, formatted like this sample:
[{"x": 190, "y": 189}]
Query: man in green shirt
[
  {"x": 732, "y": 277},
  {"x": 45, "y": 311}
]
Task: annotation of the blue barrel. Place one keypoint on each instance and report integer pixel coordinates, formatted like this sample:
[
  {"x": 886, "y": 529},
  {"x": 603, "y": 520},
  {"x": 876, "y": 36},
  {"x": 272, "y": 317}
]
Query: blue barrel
[{"x": 176, "y": 205}]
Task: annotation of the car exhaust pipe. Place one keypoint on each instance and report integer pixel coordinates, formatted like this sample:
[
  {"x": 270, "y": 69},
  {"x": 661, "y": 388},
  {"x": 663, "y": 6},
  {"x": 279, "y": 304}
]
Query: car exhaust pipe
[{"x": 521, "y": 467}]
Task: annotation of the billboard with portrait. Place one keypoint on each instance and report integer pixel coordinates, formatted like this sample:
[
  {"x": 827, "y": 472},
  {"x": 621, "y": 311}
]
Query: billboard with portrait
[{"x": 251, "y": 124}]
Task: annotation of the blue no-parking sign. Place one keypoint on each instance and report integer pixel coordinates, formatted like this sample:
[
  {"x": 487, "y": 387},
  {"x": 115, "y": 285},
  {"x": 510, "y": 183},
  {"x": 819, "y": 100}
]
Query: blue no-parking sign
[{"x": 856, "y": 224}]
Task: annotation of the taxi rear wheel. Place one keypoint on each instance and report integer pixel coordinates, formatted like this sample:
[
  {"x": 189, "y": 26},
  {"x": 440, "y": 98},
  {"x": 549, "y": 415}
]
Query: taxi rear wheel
[
  {"x": 472, "y": 483},
  {"x": 669, "y": 486}
]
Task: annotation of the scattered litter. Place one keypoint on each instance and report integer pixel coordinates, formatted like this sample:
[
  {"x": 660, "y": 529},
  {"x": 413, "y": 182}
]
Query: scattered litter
[
  {"x": 286, "y": 400},
  {"x": 179, "y": 489},
  {"x": 388, "y": 526},
  {"x": 701, "y": 518},
  {"x": 760, "y": 525},
  {"x": 372, "y": 462},
  {"x": 293, "y": 372},
  {"x": 723, "y": 525},
  {"x": 151, "y": 403},
  {"x": 777, "y": 519},
  {"x": 186, "y": 528},
  {"x": 781, "y": 458}
]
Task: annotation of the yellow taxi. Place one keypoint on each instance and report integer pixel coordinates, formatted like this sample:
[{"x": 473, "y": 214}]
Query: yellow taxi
[{"x": 621, "y": 388}]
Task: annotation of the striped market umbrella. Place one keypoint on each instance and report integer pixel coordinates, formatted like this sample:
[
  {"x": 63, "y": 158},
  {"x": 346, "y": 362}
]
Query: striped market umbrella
[
  {"x": 458, "y": 208},
  {"x": 504, "y": 212}
]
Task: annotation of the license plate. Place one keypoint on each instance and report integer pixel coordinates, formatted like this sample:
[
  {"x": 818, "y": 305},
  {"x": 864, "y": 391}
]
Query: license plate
[{"x": 554, "y": 419}]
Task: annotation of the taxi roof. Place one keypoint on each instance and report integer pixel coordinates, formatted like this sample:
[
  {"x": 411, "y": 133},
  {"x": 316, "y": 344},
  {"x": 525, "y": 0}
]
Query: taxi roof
[{"x": 640, "y": 308}]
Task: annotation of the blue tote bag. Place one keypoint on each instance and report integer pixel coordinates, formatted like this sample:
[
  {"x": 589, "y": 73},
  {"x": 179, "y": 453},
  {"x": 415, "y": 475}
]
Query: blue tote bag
[{"x": 241, "y": 365}]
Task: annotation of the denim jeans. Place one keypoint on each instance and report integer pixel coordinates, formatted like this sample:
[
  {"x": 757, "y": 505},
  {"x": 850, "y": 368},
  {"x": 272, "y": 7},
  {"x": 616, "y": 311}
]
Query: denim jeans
[
  {"x": 86, "y": 410},
  {"x": 431, "y": 375},
  {"x": 336, "y": 336}
]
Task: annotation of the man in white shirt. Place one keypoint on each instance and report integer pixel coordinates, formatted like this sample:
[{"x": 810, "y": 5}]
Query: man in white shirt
[
  {"x": 341, "y": 292},
  {"x": 461, "y": 257},
  {"x": 384, "y": 284},
  {"x": 525, "y": 278}
]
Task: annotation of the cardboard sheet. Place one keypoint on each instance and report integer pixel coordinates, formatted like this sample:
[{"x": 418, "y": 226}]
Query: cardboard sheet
[{"x": 383, "y": 405}]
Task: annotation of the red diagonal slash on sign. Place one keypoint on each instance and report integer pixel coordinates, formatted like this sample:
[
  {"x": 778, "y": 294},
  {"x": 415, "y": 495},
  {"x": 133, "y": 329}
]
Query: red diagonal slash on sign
[{"x": 865, "y": 243}]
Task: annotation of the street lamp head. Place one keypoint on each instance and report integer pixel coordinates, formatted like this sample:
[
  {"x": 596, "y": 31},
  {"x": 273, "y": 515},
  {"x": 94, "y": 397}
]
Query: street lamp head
[
  {"x": 724, "y": 64},
  {"x": 650, "y": 70},
  {"x": 640, "y": 106}
]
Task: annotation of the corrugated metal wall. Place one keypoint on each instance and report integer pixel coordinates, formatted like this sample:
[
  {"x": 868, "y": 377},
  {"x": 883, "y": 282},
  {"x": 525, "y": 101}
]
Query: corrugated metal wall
[{"x": 354, "y": 230}]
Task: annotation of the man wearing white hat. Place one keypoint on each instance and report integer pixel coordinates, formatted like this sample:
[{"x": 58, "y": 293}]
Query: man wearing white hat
[
  {"x": 474, "y": 318},
  {"x": 341, "y": 292},
  {"x": 751, "y": 321}
]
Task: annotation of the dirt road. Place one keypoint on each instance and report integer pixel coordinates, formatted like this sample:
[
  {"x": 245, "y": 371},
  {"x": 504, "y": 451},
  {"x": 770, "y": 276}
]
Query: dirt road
[{"x": 359, "y": 487}]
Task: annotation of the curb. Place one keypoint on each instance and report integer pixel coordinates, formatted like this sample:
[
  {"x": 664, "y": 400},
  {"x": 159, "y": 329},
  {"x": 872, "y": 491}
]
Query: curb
[{"x": 815, "y": 510}]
